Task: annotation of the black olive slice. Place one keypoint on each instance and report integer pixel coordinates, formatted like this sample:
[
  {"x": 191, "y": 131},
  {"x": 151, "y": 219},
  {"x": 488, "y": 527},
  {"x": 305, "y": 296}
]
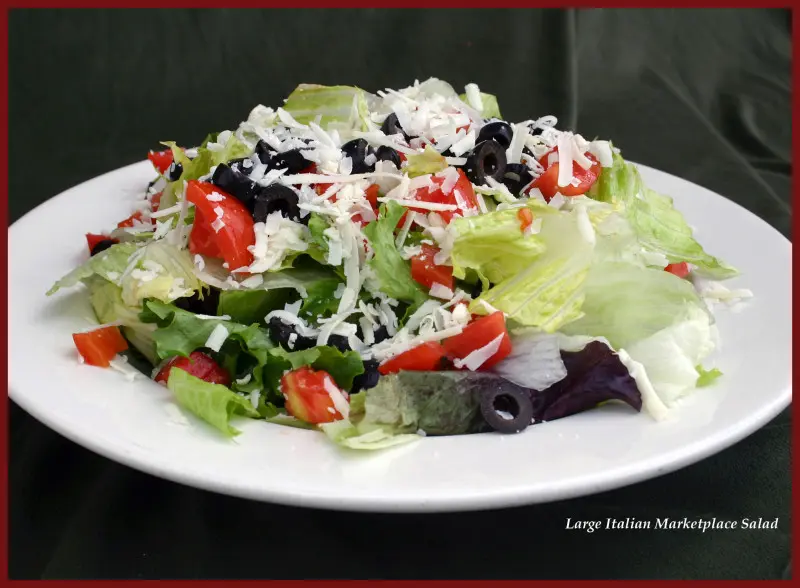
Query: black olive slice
[
  {"x": 487, "y": 160},
  {"x": 507, "y": 409},
  {"x": 272, "y": 198},
  {"x": 499, "y": 131}
]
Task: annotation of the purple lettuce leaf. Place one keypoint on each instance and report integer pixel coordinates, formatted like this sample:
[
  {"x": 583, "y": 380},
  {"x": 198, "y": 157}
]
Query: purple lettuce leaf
[{"x": 595, "y": 375}]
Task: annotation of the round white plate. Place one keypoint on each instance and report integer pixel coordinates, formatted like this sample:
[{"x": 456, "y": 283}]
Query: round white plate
[{"x": 134, "y": 422}]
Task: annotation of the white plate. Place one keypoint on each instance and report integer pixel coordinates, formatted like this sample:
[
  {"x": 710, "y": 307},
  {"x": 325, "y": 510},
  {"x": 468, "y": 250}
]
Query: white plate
[{"x": 590, "y": 452}]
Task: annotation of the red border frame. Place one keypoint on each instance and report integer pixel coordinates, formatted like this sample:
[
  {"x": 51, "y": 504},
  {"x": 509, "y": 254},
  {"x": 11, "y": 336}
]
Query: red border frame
[{"x": 7, "y": 5}]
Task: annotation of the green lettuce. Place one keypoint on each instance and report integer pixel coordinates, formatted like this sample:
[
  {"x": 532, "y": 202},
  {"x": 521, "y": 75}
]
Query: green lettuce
[
  {"x": 180, "y": 332},
  {"x": 174, "y": 280},
  {"x": 201, "y": 165},
  {"x": 494, "y": 245},
  {"x": 706, "y": 377},
  {"x": 659, "y": 227},
  {"x": 316, "y": 286},
  {"x": 392, "y": 271},
  {"x": 548, "y": 293},
  {"x": 429, "y": 161},
  {"x": 109, "y": 265},
  {"x": 334, "y": 104},
  {"x": 213, "y": 403},
  {"x": 106, "y": 300},
  {"x": 626, "y": 303},
  {"x": 346, "y": 434},
  {"x": 251, "y": 306},
  {"x": 491, "y": 109},
  {"x": 670, "y": 356}
]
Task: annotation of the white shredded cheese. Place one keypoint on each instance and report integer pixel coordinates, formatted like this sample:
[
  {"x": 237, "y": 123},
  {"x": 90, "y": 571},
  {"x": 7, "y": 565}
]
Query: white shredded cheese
[
  {"x": 337, "y": 397},
  {"x": 481, "y": 355},
  {"x": 217, "y": 337},
  {"x": 440, "y": 291}
]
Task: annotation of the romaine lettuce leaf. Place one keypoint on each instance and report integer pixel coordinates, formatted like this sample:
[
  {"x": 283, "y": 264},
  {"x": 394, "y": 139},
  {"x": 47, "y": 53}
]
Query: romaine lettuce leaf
[
  {"x": 108, "y": 264},
  {"x": 429, "y": 161},
  {"x": 659, "y": 227},
  {"x": 548, "y": 293},
  {"x": 392, "y": 271},
  {"x": 626, "y": 303},
  {"x": 345, "y": 433},
  {"x": 316, "y": 286},
  {"x": 335, "y": 104},
  {"x": 213, "y": 403},
  {"x": 251, "y": 306},
  {"x": 671, "y": 355},
  {"x": 180, "y": 332},
  {"x": 494, "y": 245},
  {"x": 201, "y": 165},
  {"x": 174, "y": 275}
]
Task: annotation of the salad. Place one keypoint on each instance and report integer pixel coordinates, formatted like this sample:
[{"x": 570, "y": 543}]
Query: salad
[{"x": 381, "y": 267}]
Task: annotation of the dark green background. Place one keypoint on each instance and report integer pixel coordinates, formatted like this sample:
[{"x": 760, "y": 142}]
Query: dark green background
[{"x": 701, "y": 94}]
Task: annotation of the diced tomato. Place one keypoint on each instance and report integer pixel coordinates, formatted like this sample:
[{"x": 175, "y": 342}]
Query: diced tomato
[
  {"x": 463, "y": 187},
  {"x": 309, "y": 396},
  {"x": 321, "y": 188},
  {"x": 155, "y": 201},
  {"x": 199, "y": 365},
  {"x": 232, "y": 240},
  {"x": 372, "y": 195},
  {"x": 478, "y": 334},
  {"x": 99, "y": 347},
  {"x": 161, "y": 160},
  {"x": 129, "y": 222},
  {"x": 525, "y": 217},
  {"x": 92, "y": 240},
  {"x": 425, "y": 271},
  {"x": 422, "y": 358},
  {"x": 679, "y": 269},
  {"x": 548, "y": 181}
]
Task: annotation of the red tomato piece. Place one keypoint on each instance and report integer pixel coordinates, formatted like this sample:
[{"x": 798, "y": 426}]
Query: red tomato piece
[
  {"x": 161, "y": 160},
  {"x": 235, "y": 234},
  {"x": 155, "y": 201},
  {"x": 202, "y": 239},
  {"x": 422, "y": 358},
  {"x": 679, "y": 269},
  {"x": 199, "y": 365},
  {"x": 462, "y": 195},
  {"x": 309, "y": 396},
  {"x": 99, "y": 347},
  {"x": 525, "y": 217},
  {"x": 129, "y": 222},
  {"x": 425, "y": 271},
  {"x": 548, "y": 181},
  {"x": 478, "y": 334},
  {"x": 372, "y": 195}
]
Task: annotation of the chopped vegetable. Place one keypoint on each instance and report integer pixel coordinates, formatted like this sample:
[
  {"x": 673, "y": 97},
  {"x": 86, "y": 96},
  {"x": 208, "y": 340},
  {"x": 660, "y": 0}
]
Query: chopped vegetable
[
  {"x": 313, "y": 397},
  {"x": 98, "y": 347}
]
